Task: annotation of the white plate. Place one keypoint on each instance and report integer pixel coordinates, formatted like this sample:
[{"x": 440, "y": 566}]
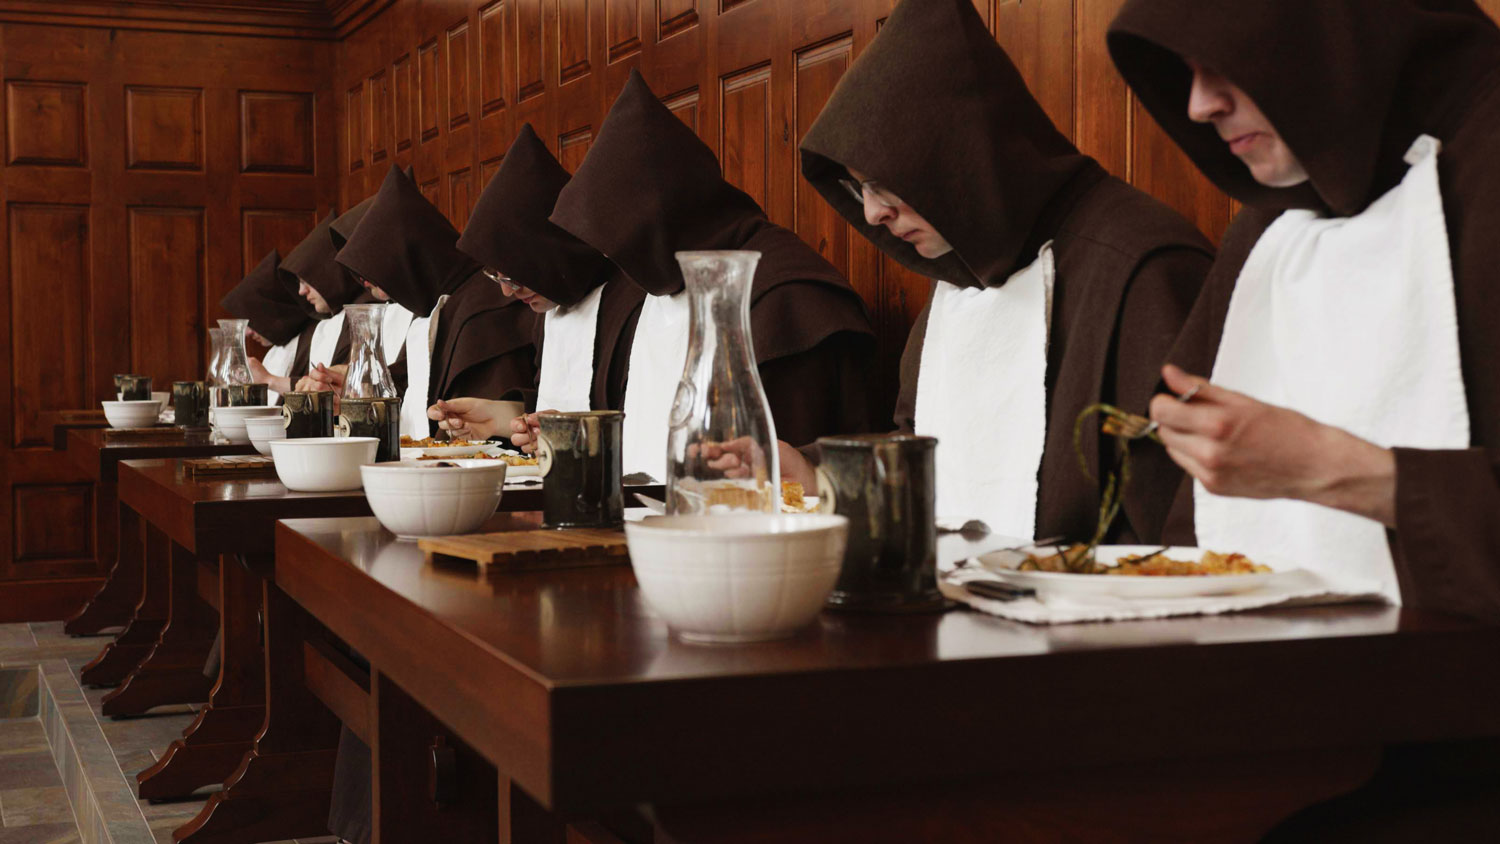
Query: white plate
[
  {"x": 443, "y": 451},
  {"x": 1002, "y": 564}
]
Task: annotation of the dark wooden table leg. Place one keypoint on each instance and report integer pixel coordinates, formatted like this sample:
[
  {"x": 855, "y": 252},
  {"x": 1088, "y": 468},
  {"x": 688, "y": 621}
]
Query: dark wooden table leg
[
  {"x": 149, "y": 557},
  {"x": 212, "y": 747},
  {"x": 282, "y": 787},
  {"x": 173, "y": 671},
  {"x": 118, "y": 539}
]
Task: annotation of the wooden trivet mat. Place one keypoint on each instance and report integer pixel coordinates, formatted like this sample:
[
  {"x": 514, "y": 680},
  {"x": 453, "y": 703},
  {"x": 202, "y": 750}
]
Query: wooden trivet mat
[
  {"x": 533, "y": 549},
  {"x": 235, "y": 466},
  {"x": 165, "y": 432}
]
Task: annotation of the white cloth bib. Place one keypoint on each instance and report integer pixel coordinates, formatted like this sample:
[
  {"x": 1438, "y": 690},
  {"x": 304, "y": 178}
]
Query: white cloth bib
[
  {"x": 982, "y": 391},
  {"x": 325, "y": 340},
  {"x": 567, "y": 378},
  {"x": 414, "y": 402},
  {"x": 278, "y": 361},
  {"x": 1351, "y": 321},
  {"x": 393, "y": 328},
  {"x": 658, "y": 356}
]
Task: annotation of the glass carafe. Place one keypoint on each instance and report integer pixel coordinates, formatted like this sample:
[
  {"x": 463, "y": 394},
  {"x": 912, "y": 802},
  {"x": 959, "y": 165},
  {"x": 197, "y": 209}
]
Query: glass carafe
[
  {"x": 368, "y": 376},
  {"x": 721, "y": 446},
  {"x": 236, "y": 366},
  {"x": 218, "y": 396}
]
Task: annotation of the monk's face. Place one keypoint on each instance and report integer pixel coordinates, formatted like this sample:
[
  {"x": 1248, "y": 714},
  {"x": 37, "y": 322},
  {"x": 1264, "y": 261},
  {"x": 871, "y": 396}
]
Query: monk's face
[
  {"x": 882, "y": 208},
  {"x": 375, "y": 291},
  {"x": 311, "y": 294},
  {"x": 1239, "y": 121},
  {"x": 534, "y": 300}
]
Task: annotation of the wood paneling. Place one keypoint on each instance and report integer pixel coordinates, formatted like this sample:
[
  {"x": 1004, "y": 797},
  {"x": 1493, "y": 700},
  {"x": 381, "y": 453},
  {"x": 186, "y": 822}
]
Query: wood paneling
[
  {"x": 356, "y": 126},
  {"x": 401, "y": 71},
  {"x": 745, "y": 130},
  {"x": 45, "y": 124},
  {"x": 573, "y": 40},
  {"x": 674, "y": 16},
  {"x": 487, "y": 171},
  {"x": 530, "y": 78},
  {"x": 458, "y": 75},
  {"x": 492, "y": 57},
  {"x": 622, "y": 28},
  {"x": 167, "y": 275},
  {"x": 55, "y": 521},
  {"x": 380, "y": 116},
  {"x": 430, "y": 190},
  {"x": 684, "y": 104},
  {"x": 276, "y": 132},
  {"x": 163, "y": 128},
  {"x": 572, "y": 147},
  {"x": 461, "y": 197},
  {"x": 817, "y": 72},
  {"x": 264, "y": 229},
  {"x": 49, "y": 310},
  {"x": 427, "y": 90}
]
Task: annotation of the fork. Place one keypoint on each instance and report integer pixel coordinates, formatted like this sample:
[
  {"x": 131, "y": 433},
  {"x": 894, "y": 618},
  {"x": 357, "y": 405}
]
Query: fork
[{"x": 1133, "y": 427}]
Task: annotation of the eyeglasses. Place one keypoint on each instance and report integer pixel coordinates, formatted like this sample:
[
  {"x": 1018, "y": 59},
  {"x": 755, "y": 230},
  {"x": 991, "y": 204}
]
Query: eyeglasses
[
  {"x": 869, "y": 187},
  {"x": 499, "y": 278}
]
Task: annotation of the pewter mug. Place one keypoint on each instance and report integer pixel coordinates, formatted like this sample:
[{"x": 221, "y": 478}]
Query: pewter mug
[
  {"x": 580, "y": 457},
  {"x": 373, "y": 417},
  {"x": 133, "y": 387},
  {"x": 883, "y": 483},
  {"x": 248, "y": 395},
  {"x": 190, "y": 404},
  {"x": 308, "y": 414}
]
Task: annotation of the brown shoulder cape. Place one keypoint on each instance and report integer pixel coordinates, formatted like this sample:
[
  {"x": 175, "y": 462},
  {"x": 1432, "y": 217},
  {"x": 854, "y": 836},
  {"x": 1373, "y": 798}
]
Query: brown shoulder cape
[
  {"x": 978, "y": 158},
  {"x": 1355, "y": 83},
  {"x": 650, "y": 188}
]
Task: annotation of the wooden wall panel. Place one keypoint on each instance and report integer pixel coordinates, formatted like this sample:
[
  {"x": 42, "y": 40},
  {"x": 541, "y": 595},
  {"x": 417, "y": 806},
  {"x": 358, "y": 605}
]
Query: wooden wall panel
[
  {"x": 674, "y": 16},
  {"x": 163, "y": 128},
  {"x": 461, "y": 197},
  {"x": 572, "y": 147},
  {"x": 264, "y": 229},
  {"x": 49, "y": 306},
  {"x": 379, "y": 89},
  {"x": 622, "y": 28},
  {"x": 45, "y": 123},
  {"x": 356, "y": 131},
  {"x": 276, "y": 132},
  {"x": 492, "y": 57},
  {"x": 530, "y": 77},
  {"x": 458, "y": 75},
  {"x": 167, "y": 275},
  {"x": 745, "y": 130},
  {"x": 684, "y": 104},
  {"x": 817, "y": 72},
  {"x": 401, "y": 72},
  {"x": 573, "y": 40},
  {"x": 427, "y": 90},
  {"x": 55, "y": 522}
]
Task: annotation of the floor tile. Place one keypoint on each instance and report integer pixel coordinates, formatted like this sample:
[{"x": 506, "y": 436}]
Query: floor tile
[
  {"x": 52, "y": 833},
  {"x": 32, "y": 806},
  {"x": 29, "y": 770},
  {"x": 22, "y": 736},
  {"x": 16, "y": 636}
]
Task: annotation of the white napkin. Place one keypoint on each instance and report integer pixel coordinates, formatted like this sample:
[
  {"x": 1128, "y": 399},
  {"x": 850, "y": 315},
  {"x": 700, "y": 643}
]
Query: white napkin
[
  {"x": 1352, "y": 322},
  {"x": 324, "y": 340},
  {"x": 419, "y": 337},
  {"x": 982, "y": 391},
  {"x": 278, "y": 361},
  {"x": 658, "y": 357},
  {"x": 1307, "y": 589},
  {"x": 393, "y": 328},
  {"x": 567, "y": 378}
]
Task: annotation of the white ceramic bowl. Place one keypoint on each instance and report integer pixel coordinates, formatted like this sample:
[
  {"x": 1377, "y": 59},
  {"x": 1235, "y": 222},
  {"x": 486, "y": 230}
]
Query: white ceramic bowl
[
  {"x": 230, "y": 421},
  {"x": 132, "y": 414},
  {"x": 322, "y": 464},
  {"x": 263, "y": 429},
  {"x": 737, "y": 578},
  {"x": 415, "y": 499},
  {"x": 164, "y": 398}
]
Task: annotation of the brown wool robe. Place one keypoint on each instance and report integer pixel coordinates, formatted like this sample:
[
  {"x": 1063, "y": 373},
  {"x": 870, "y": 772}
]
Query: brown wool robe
[
  {"x": 262, "y": 297},
  {"x": 312, "y": 261},
  {"x": 1355, "y": 82},
  {"x": 509, "y": 232},
  {"x": 649, "y": 188},
  {"x": 483, "y": 342},
  {"x": 935, "y": 111}
]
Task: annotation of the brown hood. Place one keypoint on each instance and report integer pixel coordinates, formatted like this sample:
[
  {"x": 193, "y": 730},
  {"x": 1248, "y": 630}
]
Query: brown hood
[
  {"x": 313, "y": 262},
  {"x": 935, "y": 111},
  {"x": 509, "y": 230},
  {"x": 275, "y": 313},
  {"x": 406, "y": 247},
  {"x": 1348, "y": 84},
  {"x": 650, "y": 188}
]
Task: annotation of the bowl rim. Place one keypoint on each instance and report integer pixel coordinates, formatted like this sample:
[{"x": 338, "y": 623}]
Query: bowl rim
[
  {"x": 311, "y": 441},
  {"x": 401, "y": 467},
  {"x": 256, "y": 409},
  {"x": 129, "y": 403},
  {"x": 799, "y": 524}
]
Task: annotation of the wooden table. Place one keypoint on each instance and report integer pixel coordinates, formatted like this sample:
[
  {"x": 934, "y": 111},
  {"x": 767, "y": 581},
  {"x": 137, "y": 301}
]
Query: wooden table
[
  {"x": 71, "y": 420},
  {"x": 116, "y": 600},
  {"x": 570, "y": 687}
]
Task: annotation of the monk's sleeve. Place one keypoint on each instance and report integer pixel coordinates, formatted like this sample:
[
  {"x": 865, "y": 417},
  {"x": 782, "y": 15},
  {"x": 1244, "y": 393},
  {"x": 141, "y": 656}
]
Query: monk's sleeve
[
  {"x": 905, "y": 415},
  {"x": 823, "y": 391},
  {"x": 1156, "y": 304},
  {"x": 1447, "y": 538}
]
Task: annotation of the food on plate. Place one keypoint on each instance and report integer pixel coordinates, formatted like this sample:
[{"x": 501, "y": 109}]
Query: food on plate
[
  {"x": 791, "y": 497},
  {"x": 511, "y": 459},
  {"x": 431, "y": 442},
  {"x": 1079, "y": 559}
]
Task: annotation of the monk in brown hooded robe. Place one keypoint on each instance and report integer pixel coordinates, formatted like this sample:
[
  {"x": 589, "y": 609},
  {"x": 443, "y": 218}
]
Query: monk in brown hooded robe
[
  {"x": 963, "y": 178},
  {"x": 1372, "y": 124},
  {"x": 650, "y": 188},
  {"x": 328, "y": 288},
  {"x": 278, "y": 317},
  {"x": 569, "y": 284},
  {"x": 481, "y": 343}
]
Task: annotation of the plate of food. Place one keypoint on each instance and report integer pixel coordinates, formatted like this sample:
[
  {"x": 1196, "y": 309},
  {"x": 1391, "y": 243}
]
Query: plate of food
[
  {"x": 430, "y": 447},
  {"x": 1132, "y": 571},
  {"x": 521, "y": 465}
]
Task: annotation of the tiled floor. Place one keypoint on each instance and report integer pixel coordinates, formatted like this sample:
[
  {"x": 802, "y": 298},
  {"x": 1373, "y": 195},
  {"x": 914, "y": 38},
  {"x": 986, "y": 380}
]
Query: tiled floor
[{"x": 101, "y": 760}]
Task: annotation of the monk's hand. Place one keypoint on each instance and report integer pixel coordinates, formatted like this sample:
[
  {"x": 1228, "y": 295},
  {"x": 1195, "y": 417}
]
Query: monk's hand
[
  {"x": 1237, "y": 446},
  {"x": 797, "y": 469},
  {"x": 260, "y": 375},
  {"x": 523, "y": 432},
  {"x": 465, "y": 418},
  {"x": 321, "y": 378}
]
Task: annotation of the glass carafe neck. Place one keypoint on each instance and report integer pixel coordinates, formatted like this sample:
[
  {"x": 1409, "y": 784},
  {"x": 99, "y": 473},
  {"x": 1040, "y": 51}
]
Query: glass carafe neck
[{"x": 368, "y": 376}]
